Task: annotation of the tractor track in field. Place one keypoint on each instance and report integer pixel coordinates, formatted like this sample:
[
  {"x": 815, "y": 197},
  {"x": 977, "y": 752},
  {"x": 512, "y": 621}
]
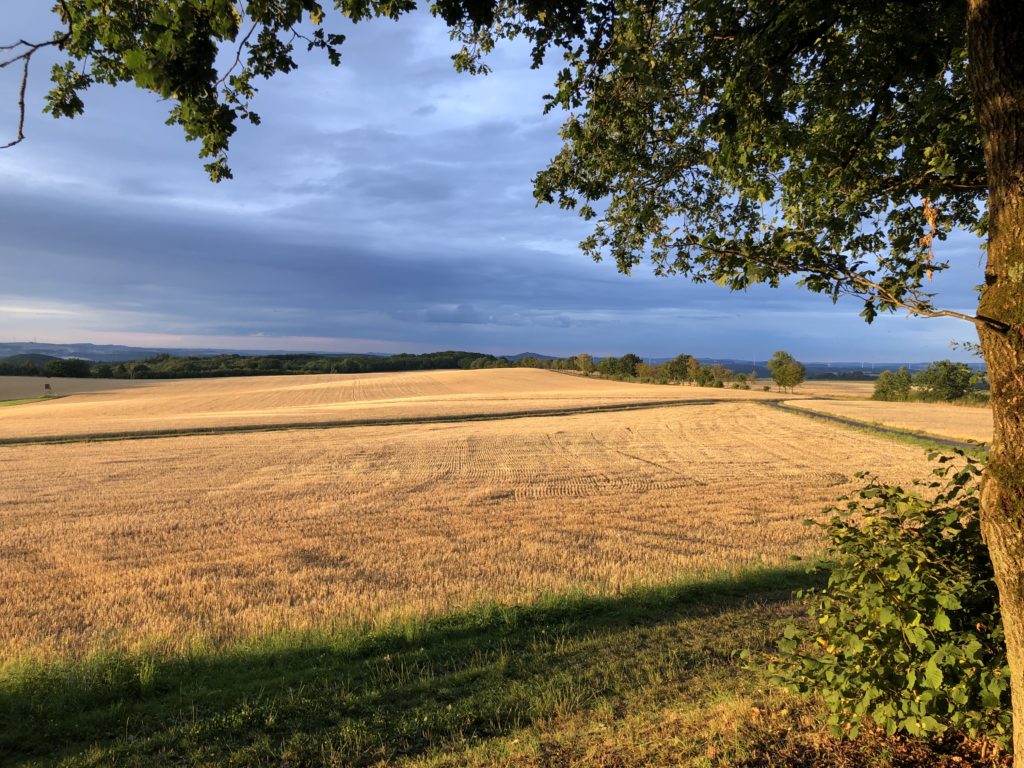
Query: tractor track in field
[
  {"x": 233, "y": 429},
  {"x": 963, "y": 445}
]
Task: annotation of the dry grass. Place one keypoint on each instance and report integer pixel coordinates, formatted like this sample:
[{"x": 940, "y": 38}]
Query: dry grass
[
  {"x": 166, "y": 541},
  {"x": 960, "y": 422},
  {"x": 846, "y": 390},
  {"x": 309, "y": 399}
]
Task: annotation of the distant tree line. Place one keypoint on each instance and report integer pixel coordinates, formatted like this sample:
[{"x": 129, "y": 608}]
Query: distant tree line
[
  {"x": 165, "y": 366},
  {"x": 941, "y": 381},
  {"x": 682, "y": 369}
]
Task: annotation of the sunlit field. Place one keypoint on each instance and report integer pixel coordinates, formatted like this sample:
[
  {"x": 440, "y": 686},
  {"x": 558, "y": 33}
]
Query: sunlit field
[
  {"x": 205, "y": 403},
  {"x": 961, "y": 422},
  {"x": 163, "y": 541},
  {"x": 858, "y": 390}
]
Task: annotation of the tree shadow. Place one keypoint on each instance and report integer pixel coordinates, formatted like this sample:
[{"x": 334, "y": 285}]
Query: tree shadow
[{"x": 354, "y": 698}]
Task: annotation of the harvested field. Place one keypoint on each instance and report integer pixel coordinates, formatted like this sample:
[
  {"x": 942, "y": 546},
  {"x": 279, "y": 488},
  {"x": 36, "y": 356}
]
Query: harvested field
[
  {"x": 959, "y": 422},
  {"x": 844, "y": 390},
  {"x": 203, "y": 403},
  {"x": 25, "y": 387},
  {"x": 215, "y": 538}
]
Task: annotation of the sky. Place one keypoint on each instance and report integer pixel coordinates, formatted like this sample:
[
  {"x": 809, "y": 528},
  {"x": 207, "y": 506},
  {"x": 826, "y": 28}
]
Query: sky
[{"x": 385, "y": 206}]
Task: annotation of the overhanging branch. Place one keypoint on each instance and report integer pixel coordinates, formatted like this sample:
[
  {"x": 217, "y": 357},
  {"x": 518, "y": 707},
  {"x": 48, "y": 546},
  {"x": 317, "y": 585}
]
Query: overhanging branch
[{"x": 24, "y": 57}]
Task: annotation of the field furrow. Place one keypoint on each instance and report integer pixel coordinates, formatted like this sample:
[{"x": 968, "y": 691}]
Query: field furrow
[{"x": 216, "y": 538}]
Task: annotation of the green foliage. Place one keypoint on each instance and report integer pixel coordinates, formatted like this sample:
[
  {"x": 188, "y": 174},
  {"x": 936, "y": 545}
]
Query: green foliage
[
  {"x": 893, "y": 386},
  {"x": 785, "y": 370},
  {"x": 626, "y": 365},
  {"x": 907, "y": 634},
  {"x": 745, "y": 142},
  {"x": 584, "y": 362},
  {"x": 945, "y": 380},
  {"x": 72, "y": 367},
  {"x": 678, "y": 368}
]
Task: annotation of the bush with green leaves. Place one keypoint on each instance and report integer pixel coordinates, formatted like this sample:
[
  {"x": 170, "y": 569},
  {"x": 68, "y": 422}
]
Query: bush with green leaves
[
  {"x": 945, "y": 380},
  {"x": 893, "y": 385},
  {"x": 906, "y": 636}
]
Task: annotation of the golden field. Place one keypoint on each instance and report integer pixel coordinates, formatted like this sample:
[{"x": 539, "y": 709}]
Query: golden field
[
  {"x": 961, "y": 422},
  {"x": 214, "y": 538},
  {"x": 203, "y": 403},
  {"x": 845, "y": 390}
]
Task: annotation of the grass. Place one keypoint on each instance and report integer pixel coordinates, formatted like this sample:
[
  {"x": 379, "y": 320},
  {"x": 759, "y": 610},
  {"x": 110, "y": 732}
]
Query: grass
[
  {"x": 647, "y": 678},
  {"x": 482, "y": 687},
  {"x": 5, "y": 403}
]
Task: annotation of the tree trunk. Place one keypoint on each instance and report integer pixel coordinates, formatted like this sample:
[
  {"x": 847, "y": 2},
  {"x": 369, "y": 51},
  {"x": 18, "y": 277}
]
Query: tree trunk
[{"x": 995, "y": 32}]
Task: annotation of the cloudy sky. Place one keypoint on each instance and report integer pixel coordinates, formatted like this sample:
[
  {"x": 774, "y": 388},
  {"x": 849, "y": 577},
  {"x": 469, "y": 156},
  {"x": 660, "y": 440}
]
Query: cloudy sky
[{"x": 384, "y": 206}]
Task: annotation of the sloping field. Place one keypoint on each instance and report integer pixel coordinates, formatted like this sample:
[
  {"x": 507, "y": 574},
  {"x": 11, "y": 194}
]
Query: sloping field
[
  {"x": 217, "y": 537},
  {"x": 207, "y": 403},
  {"x": 24, "y": 387},
  {"x": 960, "y": 422}
]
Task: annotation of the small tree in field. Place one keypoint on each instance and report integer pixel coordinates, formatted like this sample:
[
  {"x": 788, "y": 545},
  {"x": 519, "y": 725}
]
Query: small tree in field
[{"x": 786, "y": 371}]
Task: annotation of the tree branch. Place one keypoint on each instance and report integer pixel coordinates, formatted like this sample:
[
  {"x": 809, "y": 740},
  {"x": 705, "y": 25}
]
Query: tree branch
[
  {"x": 21, "y": 106},
  {"x": 920, "y": 309},
  {"x": 851, "y": 279},
  {"x": 25, "y": 57}
]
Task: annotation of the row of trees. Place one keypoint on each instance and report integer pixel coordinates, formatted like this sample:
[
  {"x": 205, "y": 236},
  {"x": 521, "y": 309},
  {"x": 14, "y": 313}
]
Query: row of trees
[
  {"x": 943, "y": 380},
  {"x": 786, "y": 371},
  {"x": 165, "y": 366},
  {"x": 631, "y": 367}
]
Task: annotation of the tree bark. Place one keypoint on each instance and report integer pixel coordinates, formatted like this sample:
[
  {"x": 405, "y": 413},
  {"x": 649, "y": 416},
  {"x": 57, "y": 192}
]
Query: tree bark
[{"x": 995, "y": 32}]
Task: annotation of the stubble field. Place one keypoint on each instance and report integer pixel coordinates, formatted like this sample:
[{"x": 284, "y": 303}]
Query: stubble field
[
  {"x": 959, "y": 422},
  {"x": 165, "y": 542},
  {"x": 275, "y": 400}
]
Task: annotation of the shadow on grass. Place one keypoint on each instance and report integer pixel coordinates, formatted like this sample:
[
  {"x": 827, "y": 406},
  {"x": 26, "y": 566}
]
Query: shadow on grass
[{"x": 355, "y": 698}]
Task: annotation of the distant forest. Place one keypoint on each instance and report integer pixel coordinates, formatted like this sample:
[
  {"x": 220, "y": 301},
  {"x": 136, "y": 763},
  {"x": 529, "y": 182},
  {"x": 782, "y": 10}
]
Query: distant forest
[{"x": 165, "y": 366}]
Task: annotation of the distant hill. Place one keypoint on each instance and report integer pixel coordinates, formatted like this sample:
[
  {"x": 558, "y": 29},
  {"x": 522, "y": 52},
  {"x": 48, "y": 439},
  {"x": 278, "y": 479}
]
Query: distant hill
[
  {"x": 516, "y": 358},
  {"x": 116, "y": 353}
]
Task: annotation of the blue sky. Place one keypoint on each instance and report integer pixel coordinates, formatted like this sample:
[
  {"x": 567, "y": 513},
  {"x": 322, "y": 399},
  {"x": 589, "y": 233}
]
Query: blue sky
[{"x": 383, "y": 206}]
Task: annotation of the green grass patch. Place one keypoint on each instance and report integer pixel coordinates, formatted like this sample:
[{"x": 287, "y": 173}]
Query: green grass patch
[
  {"x": 5, "y": 403},
  {"x": 420, "y": 692},
  {"x": 648, "y": 678}
]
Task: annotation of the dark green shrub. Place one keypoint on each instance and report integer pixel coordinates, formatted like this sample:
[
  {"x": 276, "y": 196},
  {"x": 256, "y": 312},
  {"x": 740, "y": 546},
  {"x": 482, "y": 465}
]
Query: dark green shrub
[
  {"x": 945, "y": 380},
  {"x": 893, "y": 386},
  {"x": 906, "y": 636}
]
